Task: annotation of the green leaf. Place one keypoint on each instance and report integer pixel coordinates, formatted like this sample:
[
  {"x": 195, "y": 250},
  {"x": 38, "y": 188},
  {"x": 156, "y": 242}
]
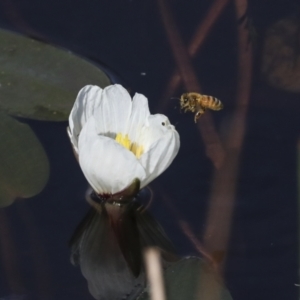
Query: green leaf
[
  {"x": 192, "y": 279},
  {"x": 24, "y": 166},
  {"x": 39, "y": 81}
]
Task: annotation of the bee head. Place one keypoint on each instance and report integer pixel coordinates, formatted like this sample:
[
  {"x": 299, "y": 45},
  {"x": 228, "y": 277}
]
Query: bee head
[{"x": 184, "y": 100}]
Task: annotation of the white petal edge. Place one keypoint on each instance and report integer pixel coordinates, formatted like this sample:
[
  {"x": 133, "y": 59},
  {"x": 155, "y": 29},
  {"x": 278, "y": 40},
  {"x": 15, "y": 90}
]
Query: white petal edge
[
  {"x": 155, "y": 127},
  {"x": 139, "y": 114},
  {"x": 114, "y": 111},
  {"x": 161, "y": 154},
  {"x": 108, "y": 166},
  {"x": 87, "y": 101}
]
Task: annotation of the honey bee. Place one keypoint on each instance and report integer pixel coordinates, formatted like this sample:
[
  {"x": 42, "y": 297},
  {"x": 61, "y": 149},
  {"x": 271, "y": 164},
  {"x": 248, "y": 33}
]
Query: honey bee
[{"x": 198, "y": 103}]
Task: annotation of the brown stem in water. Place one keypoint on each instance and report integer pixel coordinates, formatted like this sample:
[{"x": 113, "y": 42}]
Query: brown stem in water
[
  {"x": 201, "y": 33},
  {"x": 214, "y": 149},
  {"x": 187, "y": 231},
  {"x": 9, "y": 257},
  {"x": 225, "y": 179},
  {"x": 39, "y": 256}
]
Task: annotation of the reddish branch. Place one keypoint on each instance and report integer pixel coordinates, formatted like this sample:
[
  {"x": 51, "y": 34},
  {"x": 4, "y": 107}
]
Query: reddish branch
[
  {"x": 214, "y": 149},
  {"x": 201, "y": 33},
  {"x": 187, "y": 231},
  {"x": 40, "y": 264},
  {"x": 10, "y": 263},
  {"x": 225, "y": 179}
]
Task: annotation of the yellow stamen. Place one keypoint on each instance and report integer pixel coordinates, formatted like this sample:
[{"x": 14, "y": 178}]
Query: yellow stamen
[
  {"x": 137, "y": 150},
  {"x": 124, "y": 140}
]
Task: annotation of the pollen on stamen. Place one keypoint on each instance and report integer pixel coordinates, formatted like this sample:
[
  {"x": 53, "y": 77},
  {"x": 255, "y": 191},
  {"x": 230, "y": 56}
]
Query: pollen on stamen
[
  {"x": 137, "y": 150},
  {"x": 125, "y": 141}
]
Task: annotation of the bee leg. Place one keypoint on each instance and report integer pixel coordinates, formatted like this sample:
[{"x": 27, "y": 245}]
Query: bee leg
[{"x": 198, "y": 114}]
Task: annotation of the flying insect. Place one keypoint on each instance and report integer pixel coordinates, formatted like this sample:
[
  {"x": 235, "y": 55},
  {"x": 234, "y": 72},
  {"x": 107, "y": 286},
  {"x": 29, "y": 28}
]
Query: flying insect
[{"x": 198, "y": 103}]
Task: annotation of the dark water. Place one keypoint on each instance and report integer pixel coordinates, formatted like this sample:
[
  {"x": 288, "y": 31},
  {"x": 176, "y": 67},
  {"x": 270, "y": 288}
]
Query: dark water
[{"x": 128, "y": 36}]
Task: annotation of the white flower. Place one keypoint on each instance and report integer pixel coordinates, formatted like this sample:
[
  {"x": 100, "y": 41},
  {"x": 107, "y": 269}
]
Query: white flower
[{"x": 117, "y": 140}]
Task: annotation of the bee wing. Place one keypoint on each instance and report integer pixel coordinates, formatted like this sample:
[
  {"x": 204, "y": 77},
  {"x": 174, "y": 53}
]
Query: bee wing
[{"x": 96, "y": 248}]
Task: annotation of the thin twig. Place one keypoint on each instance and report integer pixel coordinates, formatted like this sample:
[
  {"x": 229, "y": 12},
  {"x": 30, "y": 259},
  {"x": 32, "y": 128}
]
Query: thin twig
[
  {"x": 225, "y": 180},
  {"x": 196, "y": 242},
  {"x": 200, "y": 35},
  {"x": 214, "y": 149},
  {"x": 154, "y": 273},
  {"x": 39, "y": 256},
  {"x": 187, "y": 231},
  {"x": 9, "y": 257}
]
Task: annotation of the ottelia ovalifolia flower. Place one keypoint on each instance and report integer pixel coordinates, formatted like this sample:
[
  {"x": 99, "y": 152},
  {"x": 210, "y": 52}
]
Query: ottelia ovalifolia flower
[{"x": 117, "y": 140}]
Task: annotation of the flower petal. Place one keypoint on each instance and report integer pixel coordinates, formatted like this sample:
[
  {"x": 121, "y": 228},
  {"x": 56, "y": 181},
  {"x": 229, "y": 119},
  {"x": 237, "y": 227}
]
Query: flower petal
[
  {"x": 87, "y": 101},
  {"x": 108, "y": 166},
  {"x": 139, "y": 114},
  {"x": 114, "y": 110},
  {"x": 162, "y": 143},
  {"x": 155, "y": 127}
]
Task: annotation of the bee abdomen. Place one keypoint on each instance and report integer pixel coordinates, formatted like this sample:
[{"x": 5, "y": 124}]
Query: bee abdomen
[{"x": 211, "y": 103}]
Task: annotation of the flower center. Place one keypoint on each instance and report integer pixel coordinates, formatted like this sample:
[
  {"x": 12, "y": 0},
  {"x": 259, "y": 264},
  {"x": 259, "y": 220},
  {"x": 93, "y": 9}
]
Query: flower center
[{"x": 125, "y": 141}]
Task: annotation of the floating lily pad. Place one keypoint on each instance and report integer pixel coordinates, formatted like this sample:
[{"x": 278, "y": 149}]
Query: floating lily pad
[
  {"x": 192, "y": 279},
  {"x": 24, "y": 169},
  {"x": 39, "y": 81}
]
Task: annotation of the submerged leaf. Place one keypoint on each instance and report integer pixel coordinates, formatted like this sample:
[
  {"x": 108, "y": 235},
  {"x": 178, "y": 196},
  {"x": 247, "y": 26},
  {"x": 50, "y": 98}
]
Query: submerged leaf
[
  {"x": 39, "y": 81},
  {"x": 281, "y": 55},
  {"x": 24, "y": 165},
  {"x": 192, "y": 279}
]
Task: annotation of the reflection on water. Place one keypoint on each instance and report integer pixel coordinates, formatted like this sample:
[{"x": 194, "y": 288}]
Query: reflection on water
[
  {"x": 108, "y": 245},
  {"x": 262, "y": 254}
]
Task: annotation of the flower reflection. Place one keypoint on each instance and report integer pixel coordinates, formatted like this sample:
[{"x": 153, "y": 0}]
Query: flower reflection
[{"x": 121, "y": 147}]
